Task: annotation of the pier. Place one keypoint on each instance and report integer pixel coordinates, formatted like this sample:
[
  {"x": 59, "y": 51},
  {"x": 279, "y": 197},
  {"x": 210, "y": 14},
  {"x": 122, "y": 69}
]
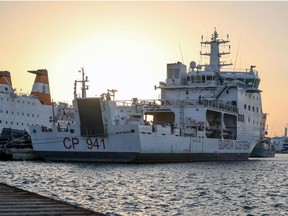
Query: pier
[{"x": 15, "y": 201}]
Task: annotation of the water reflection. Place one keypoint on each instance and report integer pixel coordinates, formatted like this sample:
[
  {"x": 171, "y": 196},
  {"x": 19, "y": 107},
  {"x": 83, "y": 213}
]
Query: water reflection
[{"x": 257, "y": 186}]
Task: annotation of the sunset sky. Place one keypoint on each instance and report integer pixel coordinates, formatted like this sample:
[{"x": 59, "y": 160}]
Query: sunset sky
[{"x": 126, "y": 45}]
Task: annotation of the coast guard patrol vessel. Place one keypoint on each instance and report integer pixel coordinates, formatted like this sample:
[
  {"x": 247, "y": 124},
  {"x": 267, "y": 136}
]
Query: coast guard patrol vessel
[{"x": 204, "y": 114}]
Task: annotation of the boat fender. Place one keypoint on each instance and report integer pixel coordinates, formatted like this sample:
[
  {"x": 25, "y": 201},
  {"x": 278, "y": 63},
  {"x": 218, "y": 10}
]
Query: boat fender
[{"x": 71, "y": 131}]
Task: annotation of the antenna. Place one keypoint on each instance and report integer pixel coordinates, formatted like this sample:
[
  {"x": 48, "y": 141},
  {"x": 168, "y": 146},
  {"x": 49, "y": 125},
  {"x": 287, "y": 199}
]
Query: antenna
[
  {"x": 237, "y": 53},
  {"x": 180, "y": 50}
]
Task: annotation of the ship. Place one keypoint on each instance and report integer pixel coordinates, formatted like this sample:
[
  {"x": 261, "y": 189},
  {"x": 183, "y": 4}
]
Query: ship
[
  {"x": 281, "y": 142},
  {"x": 204, "y": 113},
  {"x": 20, "y": 110}
]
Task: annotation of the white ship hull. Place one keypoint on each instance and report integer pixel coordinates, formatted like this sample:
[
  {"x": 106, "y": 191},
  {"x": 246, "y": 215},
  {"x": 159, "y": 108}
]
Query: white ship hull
[{"x": 128, "y": 145}]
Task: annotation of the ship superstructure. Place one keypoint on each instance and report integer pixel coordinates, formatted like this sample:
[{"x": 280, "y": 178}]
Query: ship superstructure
[{"x": 204, "y": 114}]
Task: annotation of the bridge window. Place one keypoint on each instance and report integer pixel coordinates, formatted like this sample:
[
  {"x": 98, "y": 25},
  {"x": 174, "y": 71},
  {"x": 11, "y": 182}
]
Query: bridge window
[
  {"x": 249, "y": 82},
  {"x": 192, "y": 79},
  {"x": 203, "y": 79},
  {"x": 209, "y": 78},
  {"x": 198, "y": 79}
]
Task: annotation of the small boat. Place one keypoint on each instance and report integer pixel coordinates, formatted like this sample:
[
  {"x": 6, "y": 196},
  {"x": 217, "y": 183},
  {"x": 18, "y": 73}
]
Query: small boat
[
  {"x": 204, "y": 114},
  {"x": 281, "y": 142},
  {"x": 16, "y": 145},
  {"x": 264, "y": 148}
]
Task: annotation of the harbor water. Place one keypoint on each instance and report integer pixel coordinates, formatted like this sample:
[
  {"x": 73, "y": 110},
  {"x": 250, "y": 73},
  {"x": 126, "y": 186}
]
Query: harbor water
[{"x": 254, "y": 187}]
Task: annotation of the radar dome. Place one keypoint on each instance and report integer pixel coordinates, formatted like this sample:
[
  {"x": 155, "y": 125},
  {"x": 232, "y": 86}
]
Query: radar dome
[{"x": 192, "y": 65}]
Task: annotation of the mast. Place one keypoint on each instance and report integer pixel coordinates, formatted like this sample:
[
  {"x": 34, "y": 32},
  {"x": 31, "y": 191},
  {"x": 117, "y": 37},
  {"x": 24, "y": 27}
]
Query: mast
[
  {"x": 83, "y": 81},
  {"x": 215, "y": 54}
]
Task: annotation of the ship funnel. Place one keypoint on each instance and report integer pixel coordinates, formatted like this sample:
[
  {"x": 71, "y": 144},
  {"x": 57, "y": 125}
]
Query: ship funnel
[
  {"x": 5, "y": 78},
  {"x": 41, "y": 86},
  {"x": 5, "y": 82}
]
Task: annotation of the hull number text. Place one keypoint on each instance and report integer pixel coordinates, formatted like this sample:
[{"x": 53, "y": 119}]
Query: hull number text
[{"x": 91, "y": 143}]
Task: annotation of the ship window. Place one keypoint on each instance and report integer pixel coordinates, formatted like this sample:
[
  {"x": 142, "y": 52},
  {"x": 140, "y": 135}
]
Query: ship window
[
  {"x": 27, "y": 114},
  {"x": 0, "y": 111},
  {"x": 253, "y": 108},
  {"x": 188, "y": 78},
  {"x": 227, "y": 91},
  {"x": 6, "y": 122},
  {"x": 28, "y": 102},
  {"x": 241, "y": 118},
  {"x": 203, "y": 79},
  {"x": 33, "y": 103},
  {"x": 245, "y": 106},
  {"x": 249, "y": 107},
  {"x": 0, "y": 121},
  {"x": 22, "y": 114},
  {"x": 198, "y": 79},
  {"x": 11, "y": 123},
  {"x": 6, "y": 111},
  {"x": 22, "y": 124},
  {"x": 192, "y": 79},
  {"x": 187, "y": 92},
  {"x": 18, "y": 101},
  {"x": 32, "y": 115},
  {"x": 17, "y": 123},
  {"x": 209, "y": 78},
  {"x": 249, "y": 82},
  {"x": 257, "y": 109},
  {"x": 241, "y": 80},
  {"x": 7, "y": 99}
]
